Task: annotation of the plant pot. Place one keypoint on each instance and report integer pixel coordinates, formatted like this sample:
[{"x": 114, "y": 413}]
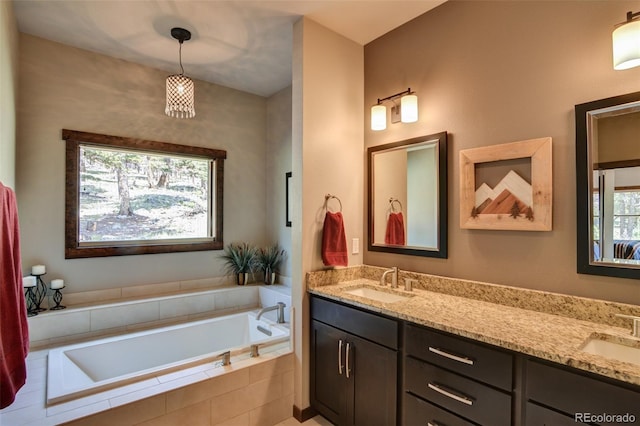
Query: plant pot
[
  {"x": 269, "y": 277},
  {"x": 242, "y": 278}
]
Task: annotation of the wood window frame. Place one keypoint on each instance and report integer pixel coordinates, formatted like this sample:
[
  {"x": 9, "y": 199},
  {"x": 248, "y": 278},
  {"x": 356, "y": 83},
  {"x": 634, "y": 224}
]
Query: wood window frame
[{"x": 74, "y": 139}]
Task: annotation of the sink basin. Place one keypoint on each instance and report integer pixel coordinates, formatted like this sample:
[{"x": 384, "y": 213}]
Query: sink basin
[
  {"x": 621, "y": 351},
  {"x": 378, "y": 295}
]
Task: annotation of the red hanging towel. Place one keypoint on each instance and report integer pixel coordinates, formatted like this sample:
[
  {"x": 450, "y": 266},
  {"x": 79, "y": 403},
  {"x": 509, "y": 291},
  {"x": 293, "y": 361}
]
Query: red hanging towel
[
  {"x": 395, "y": 230},
  {"x": 334, "y": 241},
  {"x": 14, "y": 330}
]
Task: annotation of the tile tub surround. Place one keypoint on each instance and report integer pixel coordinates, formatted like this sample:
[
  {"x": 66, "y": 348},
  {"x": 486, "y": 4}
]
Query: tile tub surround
[
  {"x": 81, "y": 322},
  {"x": 480, "y": 314},
  {"x": 124, "y": 405},
  {"x": 248, "y": 392}
]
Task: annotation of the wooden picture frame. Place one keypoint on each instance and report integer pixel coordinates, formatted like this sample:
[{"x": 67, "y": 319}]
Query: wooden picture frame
[{"x": 514, "y": 214}]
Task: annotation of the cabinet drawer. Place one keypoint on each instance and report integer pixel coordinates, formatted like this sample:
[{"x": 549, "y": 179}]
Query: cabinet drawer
[
  {"x": 473, "y": 360},
  {"x": 573, "y": 393},
  {"x": 468, "y": 398},
  {"x": 383, "y": 331},
  {"x": 419, "y": 412},
  {"x": 539, "y": 416}
]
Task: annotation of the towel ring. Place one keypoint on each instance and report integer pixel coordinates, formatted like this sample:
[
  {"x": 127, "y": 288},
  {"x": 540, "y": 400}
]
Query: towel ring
[
  {"x": 328, "y": 197},
  {"x": 394, "y": 200}
]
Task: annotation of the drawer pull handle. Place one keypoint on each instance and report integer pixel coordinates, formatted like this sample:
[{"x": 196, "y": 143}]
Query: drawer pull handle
[
  {"x": 458, "y": 358},
  {"x": 434, "y": 423},
  {"x": 451, "y": 395},
  {"x": 340, "y": 367},
  {"x": 348, "y": 370}
]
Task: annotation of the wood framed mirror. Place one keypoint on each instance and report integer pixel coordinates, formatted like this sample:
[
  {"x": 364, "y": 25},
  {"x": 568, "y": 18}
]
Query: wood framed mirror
[
  {"x": 407, "y": 187},
  {"x": 608, "y": 186}
]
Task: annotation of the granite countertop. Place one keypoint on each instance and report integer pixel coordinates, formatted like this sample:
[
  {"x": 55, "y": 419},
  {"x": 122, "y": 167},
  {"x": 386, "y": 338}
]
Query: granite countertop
[{"x": 543, "y": 335}]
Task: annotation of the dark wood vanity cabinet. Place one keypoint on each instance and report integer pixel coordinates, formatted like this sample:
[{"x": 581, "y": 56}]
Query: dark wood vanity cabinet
[
  {"x": 560, "y": 396},
  {"x": 449, "y": 380},
  {"x": 354, "y": 365},
  {"x": 359, "y": 378}
]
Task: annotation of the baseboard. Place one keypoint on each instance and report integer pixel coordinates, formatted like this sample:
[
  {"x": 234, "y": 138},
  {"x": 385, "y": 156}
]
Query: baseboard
[{"x": 305, "y": 414}]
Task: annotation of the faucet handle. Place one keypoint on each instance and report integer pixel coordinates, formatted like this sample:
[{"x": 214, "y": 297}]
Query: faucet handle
[
  {"x": 636, "y": 323},
  {"x": 408, "y": 284}
]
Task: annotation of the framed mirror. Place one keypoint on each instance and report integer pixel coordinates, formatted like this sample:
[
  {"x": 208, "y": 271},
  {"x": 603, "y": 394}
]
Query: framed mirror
[
  {"x": 608, "y": 186},
  {"x": 407, "y": 185}
]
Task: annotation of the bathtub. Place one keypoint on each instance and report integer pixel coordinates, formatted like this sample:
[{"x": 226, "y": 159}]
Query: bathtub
[{"x": 85, "y": 368}]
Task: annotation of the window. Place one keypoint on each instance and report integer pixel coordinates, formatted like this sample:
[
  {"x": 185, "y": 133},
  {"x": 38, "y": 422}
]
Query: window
[
  {"x": 626, "y": 214},
  {"x": 129, "y": 196}
]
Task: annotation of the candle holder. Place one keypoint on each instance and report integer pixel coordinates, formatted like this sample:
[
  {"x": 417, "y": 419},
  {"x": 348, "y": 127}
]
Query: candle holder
[
  {"x": 40, "y": 292},
  {"x": 57, "y": 298},
  {"x": 30, "y": 298}
]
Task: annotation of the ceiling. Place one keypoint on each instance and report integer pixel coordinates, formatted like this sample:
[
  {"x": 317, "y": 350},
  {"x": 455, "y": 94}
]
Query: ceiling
[{"x": 240, "y": 44}]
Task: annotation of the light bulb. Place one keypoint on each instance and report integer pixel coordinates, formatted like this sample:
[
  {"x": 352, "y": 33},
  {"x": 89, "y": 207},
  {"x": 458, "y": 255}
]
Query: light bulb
[
  {"x": 626, "y": 45},
  {"x": 409, "y": 108},
  {"x": 378, "y": 117}
]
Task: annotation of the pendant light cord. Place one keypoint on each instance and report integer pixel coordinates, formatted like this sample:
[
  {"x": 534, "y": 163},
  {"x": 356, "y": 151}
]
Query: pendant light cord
[{"x": 180, "y": 54}]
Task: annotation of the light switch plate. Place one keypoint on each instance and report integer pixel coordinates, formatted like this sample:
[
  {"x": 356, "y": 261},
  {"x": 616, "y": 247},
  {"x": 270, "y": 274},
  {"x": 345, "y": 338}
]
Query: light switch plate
[{"x": 355, "y": 246}]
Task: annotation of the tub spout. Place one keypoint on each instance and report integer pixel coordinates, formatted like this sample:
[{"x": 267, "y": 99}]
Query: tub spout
[
  {"x": 279, "y": 306},
  {"x": 226, "y": 358}
]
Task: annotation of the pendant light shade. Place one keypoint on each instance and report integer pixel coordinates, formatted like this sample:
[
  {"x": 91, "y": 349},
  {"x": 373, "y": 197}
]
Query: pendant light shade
[
  {"x": 378, "y": 117},
  {"x": 409, "y": 108},
  {"x": 626, "y": 43},
  {"x": 180, "y": 97},
  {"x": 180, "y": 88}
]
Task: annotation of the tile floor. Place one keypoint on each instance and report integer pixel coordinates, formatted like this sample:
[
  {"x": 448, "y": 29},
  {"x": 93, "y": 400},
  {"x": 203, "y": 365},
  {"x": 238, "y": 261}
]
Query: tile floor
[{"x": 315, "y": 421}]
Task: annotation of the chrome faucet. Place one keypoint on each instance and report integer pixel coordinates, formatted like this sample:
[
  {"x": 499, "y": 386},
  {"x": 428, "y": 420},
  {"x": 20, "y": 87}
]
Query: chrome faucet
[
  {"x": 278, "y": 306},
  {"x": 635, "y": 331},
  {"x": 394, "y": 277}
]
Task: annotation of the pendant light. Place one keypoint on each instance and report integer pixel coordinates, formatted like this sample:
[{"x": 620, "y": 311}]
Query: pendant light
[
  {"x": 626, "y": 43},
  {"x": 180, "y": 89}
]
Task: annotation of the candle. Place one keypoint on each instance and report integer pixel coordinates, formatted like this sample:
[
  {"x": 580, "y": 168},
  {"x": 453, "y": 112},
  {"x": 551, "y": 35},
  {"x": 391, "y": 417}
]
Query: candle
[
  {"x": 28, "y": 281},
  {"x": 38, "y": 270},
  {"x": 57, "y": 284}
]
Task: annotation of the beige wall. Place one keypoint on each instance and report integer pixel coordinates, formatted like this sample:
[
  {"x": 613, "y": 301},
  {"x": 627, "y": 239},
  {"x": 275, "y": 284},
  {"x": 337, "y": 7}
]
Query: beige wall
[
  {"x": 64, "y": 87},
  {"x": 278, "y": 163},
  {"x": 327, "y": 153},
  {"x": 497, "y": 72},
  {"x": 8, "y": 86},
  {"x": 619, "y": 138}
]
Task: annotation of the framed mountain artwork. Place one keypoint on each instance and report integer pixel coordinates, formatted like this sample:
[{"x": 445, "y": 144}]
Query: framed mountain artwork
[{"x": 507, "y": 186}]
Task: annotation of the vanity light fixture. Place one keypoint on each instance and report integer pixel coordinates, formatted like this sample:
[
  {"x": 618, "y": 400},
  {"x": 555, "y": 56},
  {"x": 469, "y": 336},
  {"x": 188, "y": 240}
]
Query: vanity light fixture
[
  {"x": 626, "y": 43},
  {"x": 180, "y": 90},
  {"x": 407, "y": 109}
]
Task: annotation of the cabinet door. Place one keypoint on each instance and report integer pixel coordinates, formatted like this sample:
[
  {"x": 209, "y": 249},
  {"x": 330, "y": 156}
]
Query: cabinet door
[
  {"x": 373, "y": 372},
  {"x": 328, "y": 383},
  {"x": 540, "y": 416}
]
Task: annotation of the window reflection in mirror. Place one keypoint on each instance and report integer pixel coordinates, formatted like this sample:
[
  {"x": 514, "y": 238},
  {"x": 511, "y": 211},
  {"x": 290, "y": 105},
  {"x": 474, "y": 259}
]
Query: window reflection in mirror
[
  {"x": 129, "y": 196},
  {"x": 407, "y": 196}
]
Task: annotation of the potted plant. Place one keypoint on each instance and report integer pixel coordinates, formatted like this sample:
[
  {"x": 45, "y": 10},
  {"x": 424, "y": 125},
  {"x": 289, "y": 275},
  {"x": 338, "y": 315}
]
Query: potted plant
[
  {"x": 240, "y": 260},
  {"x": 268, "y": 260}
]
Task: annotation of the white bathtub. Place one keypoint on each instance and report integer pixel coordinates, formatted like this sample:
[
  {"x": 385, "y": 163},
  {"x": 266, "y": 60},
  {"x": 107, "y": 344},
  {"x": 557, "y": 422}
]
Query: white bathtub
[{"x": 85, "y": 368}]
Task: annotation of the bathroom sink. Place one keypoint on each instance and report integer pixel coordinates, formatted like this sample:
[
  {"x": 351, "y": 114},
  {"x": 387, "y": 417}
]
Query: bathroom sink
[
  {"x": 378, "y": 295},
  {"x": 625, "y": 351}
]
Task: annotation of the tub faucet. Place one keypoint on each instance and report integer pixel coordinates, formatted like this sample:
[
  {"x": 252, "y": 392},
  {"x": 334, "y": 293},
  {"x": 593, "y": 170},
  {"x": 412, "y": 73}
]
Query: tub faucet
[
  {"x": 226, "y": 358},
  {"x": 278, "y": 306},
  {"x": 394, "y": 277}
]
